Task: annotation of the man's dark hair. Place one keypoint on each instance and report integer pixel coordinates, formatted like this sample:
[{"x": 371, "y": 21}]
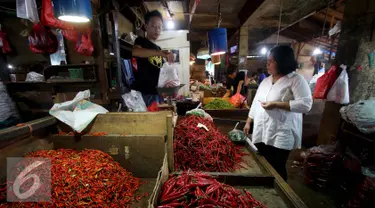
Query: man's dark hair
[
  {"x": 152, "y": 14},
  {"x": 260, "y": 70},
  {"x": 231, "y": 69},
  {"x": 285, "y": 59}
]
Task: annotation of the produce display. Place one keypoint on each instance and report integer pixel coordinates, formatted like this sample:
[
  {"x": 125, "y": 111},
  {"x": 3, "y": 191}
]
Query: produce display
[
  {"x": 193, "y": 189},
  {"x": 200, "y": 146},
  {"x": 319, "y": 165},
  {"x": 89, "y": 178},
  {"x": 219, "y": 91},
  {"x": 218, "y": 104}
]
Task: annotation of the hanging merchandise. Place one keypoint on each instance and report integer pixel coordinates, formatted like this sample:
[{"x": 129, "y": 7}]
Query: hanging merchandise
[
  {"x": 4, "y": 42},
  {"x": 26, "y": 9},
  {"x": 73, "y": 10},
  {"x": 326, "y": 82},
  {"x": 339, "y": 92},
  {"x": 127, "y": 72},
  {"x": 48, "y": 18},
  {"x": 42, "y": 40},
  {"x": 84, "y": 44}
]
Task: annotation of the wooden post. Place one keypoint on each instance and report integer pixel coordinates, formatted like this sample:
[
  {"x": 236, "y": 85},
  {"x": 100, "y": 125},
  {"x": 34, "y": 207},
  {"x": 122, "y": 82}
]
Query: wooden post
[{"x": 169, "y": 143}]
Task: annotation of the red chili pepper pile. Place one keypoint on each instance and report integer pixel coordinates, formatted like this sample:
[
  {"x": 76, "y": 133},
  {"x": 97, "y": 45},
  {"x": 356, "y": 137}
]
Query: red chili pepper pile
[
  {"x": 197, "y": 149},
  {"x": 192, "y": 189},
  {"x": 89, "y": 178}
]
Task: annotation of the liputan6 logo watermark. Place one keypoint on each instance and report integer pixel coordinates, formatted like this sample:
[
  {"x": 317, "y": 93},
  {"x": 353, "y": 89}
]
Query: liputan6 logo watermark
[{"x": 29, "y": 180}]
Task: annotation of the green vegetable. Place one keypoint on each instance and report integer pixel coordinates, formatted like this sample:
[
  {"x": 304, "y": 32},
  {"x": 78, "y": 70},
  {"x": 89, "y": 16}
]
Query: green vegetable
[{"x": 218, "y": 104}]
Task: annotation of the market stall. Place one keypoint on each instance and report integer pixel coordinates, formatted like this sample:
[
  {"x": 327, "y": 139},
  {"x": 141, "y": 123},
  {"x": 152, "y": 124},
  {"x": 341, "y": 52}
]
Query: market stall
[{"x": 128, "y": 141}]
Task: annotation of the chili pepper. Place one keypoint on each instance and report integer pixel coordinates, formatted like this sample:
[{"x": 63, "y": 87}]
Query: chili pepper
[
  {"x": 201, "y": 150},
  {"x": 89, "y": 178},
  {"x": 207, "y": 194}
]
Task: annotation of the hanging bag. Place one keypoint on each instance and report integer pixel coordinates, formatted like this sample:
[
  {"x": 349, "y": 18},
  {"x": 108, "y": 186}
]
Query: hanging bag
[
  {"x": 339, "y": 92},
  {"x": 84, "y": 44},
  {"x": 42, "y": 40},
  {"x": 325, "y": 83}
]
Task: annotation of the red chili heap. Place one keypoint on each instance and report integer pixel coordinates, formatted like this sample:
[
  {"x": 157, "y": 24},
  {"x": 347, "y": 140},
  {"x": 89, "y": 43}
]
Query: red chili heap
[
  {"x": 89, "y": 178},
  {"x": 203, "y": 148},
  {"x": 203, "y": 191}
]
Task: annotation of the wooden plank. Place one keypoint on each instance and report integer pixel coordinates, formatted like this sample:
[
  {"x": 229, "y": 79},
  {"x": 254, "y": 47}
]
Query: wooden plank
[
  {"x": 150, "y": 123},
  {"x": 141, "y": 155},
  {"x": 169, "y": 143}
]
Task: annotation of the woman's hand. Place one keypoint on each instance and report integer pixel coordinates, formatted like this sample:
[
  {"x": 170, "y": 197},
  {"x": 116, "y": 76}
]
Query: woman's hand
[
  {"x": 269, "y": 105},
  {"x": 246, "y": 129}
]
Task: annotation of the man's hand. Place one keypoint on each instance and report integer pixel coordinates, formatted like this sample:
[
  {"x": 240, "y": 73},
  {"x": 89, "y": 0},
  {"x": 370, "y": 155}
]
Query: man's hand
[
  {"x": 269, "y": 105},
  {"x": 169, "y": 56}
]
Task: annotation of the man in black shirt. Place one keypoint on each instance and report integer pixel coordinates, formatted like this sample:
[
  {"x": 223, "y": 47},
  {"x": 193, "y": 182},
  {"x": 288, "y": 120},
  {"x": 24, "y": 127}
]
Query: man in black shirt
[
  {"x": 149, "y": 58},
  {"x": 235, "y": 82}
]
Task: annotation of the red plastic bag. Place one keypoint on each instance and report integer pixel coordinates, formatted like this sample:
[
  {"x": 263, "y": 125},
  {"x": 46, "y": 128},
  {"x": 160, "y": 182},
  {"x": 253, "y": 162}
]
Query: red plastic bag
[
  {"x": 237, "y": 100},
  {"x": 6, "y": 46},
  {"x": 42, "y": 40},
  {"x": 48, "y": 18},
  {"x": 325, "y": 83},
  {"x": 84, "y": 44},
  {"x": 153, "y": 107}
]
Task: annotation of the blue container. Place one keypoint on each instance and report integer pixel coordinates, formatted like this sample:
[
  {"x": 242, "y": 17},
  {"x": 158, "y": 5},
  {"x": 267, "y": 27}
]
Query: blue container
[
  {"x": 217, "y": 41},
  {"x": 77, "y": 11}
]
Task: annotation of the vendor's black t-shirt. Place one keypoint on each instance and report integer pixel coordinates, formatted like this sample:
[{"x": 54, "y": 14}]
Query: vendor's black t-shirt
[
  {"x": 232, "y": 84},
  {"x": 147, "y": 76}
]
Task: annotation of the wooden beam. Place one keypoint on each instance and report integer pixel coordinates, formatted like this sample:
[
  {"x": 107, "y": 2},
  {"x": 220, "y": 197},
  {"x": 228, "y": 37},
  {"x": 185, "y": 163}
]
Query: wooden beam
[{"x": 248, "y": 9}]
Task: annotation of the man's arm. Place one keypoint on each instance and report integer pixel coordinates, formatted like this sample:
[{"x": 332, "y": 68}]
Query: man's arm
[
  {"x": 227, "y": 94},
  {"x": 239, "y": 87},
  {"x": 138, "y": 51}
]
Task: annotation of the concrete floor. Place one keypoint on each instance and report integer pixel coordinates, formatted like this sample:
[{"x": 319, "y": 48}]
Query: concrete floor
[{"x": 312, "y": 198}]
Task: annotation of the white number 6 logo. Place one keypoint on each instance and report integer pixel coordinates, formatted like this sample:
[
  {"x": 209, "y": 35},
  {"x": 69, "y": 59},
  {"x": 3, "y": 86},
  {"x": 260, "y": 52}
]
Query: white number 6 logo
[{"x": 22, "y": 177}]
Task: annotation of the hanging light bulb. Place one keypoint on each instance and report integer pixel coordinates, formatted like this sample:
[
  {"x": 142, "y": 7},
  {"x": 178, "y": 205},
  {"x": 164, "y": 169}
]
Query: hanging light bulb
[
  {"x": 170, "y": 25},
  {"x": 317, "y": 51},
  {"x": 76, "y": 11},
  {"x": 263, "y": 51},
  {"x": 203, "y": 53}
]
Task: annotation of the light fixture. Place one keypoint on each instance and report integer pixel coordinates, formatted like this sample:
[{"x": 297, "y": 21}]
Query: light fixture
[
  {"x": 263, "y": 51},
  {"x": 10, "y": 66},
  {"x": 76, "y": 11},
  {"x": 111, "y": 53},
  {"x": 217, "y": 41},
  {"x": 317, "y": 51},
  {"x": 253, "y": 56},
  {"x": 203, "y": 53},
  {"x": 170, "y": 24}
]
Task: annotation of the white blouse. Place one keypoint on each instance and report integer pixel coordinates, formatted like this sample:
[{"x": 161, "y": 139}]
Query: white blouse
[{"x": 277, "y": 127}]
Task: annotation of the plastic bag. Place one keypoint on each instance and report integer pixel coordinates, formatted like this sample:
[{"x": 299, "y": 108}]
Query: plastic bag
[
  {"x": 134, "y": 101},
  {"x": 77, "y": 113},
  {"x": 42, "y": 40},
  {"x": 84, "y": 44},
  {"x": 34, "y": 77},
  {"x": 236, "y": 135},
  {"x": 339, "y": 92},
  {"x": 71, "y": 35},
  {"x": 199, "y": 113},
  {"x": 5, "y": 44},
  {"x": 365, "y": 194},
  {"x": 26, "y": 9},
  {"x": 154, "y": 107},
  {"x": 361, "y": 114},
  {"x": 325, "y": 83},
  {"x": 313, "y": 81},
  {"x": 168, "y": 76},
  {"x": 48, "y": 18},
  {"x": 237, "y": 100}
]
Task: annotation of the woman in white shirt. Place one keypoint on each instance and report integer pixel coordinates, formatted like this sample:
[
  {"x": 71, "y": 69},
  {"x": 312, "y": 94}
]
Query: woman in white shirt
[{"x": 277, "y": 109}]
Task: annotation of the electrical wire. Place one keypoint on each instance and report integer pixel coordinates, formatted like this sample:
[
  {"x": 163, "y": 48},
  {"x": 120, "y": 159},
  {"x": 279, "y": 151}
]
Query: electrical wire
[
  {"x": 281, "y": 13},
  {"x": 6, "y": 8}
]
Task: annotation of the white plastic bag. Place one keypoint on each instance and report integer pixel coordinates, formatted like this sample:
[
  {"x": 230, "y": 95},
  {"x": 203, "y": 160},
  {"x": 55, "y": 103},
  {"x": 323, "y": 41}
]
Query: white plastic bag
[
  {"x": 77, "y": 113},
  {"x": 361, "y": 114},
  {"x": 168, "y": 76},
  {"x": 313, "y": 81},
  {"x": 26, "y": 9},
  {"x": 339, "y": 92},
  {"x": 134, "y": 101},
  {"x": 34, "y": 77}
]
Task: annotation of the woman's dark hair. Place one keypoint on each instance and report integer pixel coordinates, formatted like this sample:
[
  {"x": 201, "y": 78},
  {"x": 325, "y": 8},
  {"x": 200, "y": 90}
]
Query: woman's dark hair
[
  {"x": 231, "y": 69},
  {"x": 152, "y": 14},
  {"x": 285, "y": 59}
]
